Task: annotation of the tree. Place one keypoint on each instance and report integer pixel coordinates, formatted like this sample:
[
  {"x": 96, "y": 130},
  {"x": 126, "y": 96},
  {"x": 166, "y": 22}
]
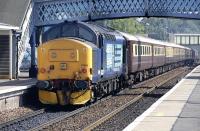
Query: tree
[{"x": 128, "y": 25}]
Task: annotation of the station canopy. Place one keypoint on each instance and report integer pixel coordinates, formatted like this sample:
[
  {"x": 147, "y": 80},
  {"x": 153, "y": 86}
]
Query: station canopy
[{"x": 12, "y": 12}]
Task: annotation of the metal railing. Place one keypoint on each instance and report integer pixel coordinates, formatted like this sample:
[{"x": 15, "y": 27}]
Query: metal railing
[{"x": 26, "y": 31}]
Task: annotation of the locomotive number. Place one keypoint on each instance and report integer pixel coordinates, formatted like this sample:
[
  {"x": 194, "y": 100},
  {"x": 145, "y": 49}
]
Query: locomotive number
[{"x": 63, "y": 66}]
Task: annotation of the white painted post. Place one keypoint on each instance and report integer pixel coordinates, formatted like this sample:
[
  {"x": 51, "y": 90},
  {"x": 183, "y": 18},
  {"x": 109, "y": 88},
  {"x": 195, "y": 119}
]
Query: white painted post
[{"x": 10, "y": 54}]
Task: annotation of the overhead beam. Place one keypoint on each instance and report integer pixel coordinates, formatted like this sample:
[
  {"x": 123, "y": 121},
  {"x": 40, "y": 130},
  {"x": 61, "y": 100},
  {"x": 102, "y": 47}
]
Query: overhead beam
[{"x": 55, "y": 11}]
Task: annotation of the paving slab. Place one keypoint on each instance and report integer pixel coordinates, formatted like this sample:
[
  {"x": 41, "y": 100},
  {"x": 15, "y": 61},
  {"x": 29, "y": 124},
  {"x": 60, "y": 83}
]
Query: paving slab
[
  {"x": 190, "y": 111},
  {"x": 164, "y": 110},
  {"x": 187, "y": 124},
  {"x": 155, "y": 124},
  {"x": 178, "y": 110}
]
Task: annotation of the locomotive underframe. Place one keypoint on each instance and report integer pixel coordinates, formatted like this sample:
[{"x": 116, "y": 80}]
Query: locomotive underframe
[{"x": 134, "y": 77}]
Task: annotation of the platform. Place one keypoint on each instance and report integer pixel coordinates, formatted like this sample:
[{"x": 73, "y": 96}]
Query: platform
[
  {"x": 12, "y": 92},
  {"x": 177, "y": 110},
  {"x": 7, "y": 86}
]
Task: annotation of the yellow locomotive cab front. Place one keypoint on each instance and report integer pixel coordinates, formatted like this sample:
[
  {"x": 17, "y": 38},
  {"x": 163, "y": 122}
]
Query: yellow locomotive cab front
[{"x": 64, "y": 72}]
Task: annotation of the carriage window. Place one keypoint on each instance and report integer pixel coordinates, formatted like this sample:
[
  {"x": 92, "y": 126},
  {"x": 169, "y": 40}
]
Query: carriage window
[
  {"x": 160, "y": 51},
  {"x": 163, "y": 52},
  {"x": 155, "y": 51},
  {"x": 145, "y": 50},
  {"x": 149, "y": 50},
  {"x": 142, "y": 50},
  {"x": 136, "y": 50}
]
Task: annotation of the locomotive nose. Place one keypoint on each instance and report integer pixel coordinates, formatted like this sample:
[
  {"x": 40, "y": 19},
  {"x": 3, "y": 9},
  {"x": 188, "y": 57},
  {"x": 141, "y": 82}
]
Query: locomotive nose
[{"x": 65, "y": 59}]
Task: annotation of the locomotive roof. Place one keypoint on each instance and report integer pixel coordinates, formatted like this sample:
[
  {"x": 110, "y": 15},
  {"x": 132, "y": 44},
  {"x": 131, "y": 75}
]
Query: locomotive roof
[
  {"x": 100, "y": 28},
  {"x": 150, "y": 40}
]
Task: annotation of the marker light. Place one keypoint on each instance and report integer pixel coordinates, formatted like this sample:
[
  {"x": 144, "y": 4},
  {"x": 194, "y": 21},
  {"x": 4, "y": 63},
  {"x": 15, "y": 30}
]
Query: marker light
[
  {"x": 42, "y": 70},
  {"x": 84, "y": 70}
]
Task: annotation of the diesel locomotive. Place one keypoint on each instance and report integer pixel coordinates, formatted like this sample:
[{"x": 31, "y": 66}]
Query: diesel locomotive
[{"x": 79, "y": 62}]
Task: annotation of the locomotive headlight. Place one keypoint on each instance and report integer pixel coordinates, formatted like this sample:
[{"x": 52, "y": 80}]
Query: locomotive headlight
[
  {"x": 42, "y": 70},
  {"x": 84, "y": 70}
]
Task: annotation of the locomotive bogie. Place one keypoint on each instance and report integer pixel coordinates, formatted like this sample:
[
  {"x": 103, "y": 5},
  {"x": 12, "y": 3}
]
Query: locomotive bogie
[{"x": 65, "y": 97}]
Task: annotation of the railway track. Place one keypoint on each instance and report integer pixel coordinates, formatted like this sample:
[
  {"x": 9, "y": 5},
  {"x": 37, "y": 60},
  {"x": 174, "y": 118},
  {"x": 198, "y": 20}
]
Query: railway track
[
  {"x": 71, "y": 115},
  {"x": 4, "y": 125},
  {"x": 120, "y": 109},
  {"x": 42, "y": 126},
  {"x": 129, "y": 114},
  {"x": 51, "y": 122}
]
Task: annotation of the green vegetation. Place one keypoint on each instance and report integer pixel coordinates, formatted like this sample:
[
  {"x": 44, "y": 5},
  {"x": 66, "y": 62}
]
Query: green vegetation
[
  {"x": 163, "y": 27},
  {"x": 172, "y": 25},
  {"x": 159, "y": 28},
  {"x": 128, "y": 25}
]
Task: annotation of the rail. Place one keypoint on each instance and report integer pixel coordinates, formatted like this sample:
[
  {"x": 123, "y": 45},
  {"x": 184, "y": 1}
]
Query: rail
[
  {"x": 27, "y": 116},
  {"x": 53, "y": 121},
  {"x": 110, "y": 115}
]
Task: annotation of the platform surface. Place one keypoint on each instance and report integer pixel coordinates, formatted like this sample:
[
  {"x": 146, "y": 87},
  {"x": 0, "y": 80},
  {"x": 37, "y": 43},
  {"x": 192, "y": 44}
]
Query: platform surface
[
  {"x": 177, "y": 110},
  {"x": 7, "y": 86}
]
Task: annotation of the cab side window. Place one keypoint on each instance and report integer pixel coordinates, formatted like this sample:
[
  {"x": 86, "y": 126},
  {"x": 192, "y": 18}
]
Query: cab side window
[
  {"x": 51, "y": 34},
  {"x": 86, "y": 35}
]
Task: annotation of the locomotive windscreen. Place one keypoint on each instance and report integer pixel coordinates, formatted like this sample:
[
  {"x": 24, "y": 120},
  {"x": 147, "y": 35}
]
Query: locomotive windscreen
[{"x": 69, "y": 29}]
